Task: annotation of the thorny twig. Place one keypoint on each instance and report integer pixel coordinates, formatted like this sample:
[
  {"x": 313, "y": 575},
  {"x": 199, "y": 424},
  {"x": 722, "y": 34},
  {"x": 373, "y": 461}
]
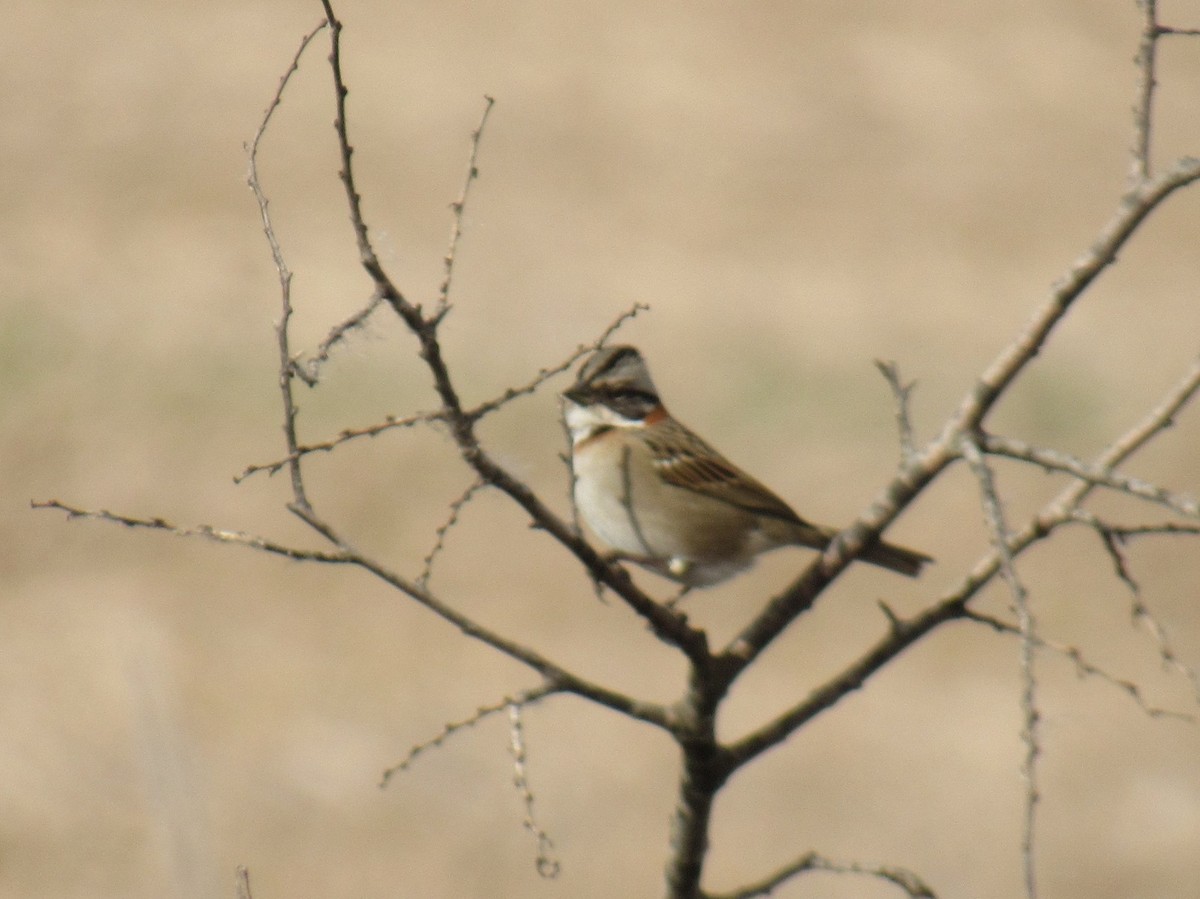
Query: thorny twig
[
  {"x": 489, "y": 406},
  {"x": 559, "y": 678},
  {"x": 1055, "y": 460},
  {"x": 439, "y": 416},
  {"x": 456, "y": 229},
  {"x": 205, "y": 531},
  {"x": 668, "y": 625},
  {"x": 1083, "y": 667},
  {"x": 546, "y": 861},
  {"x": 348, "y": 434},
  {"x": 1113, "y": 537},
  {"x": 913, "y": 886},
  {"x": 1141, "y": 164},
  {"x": 994, "y": 516},
  {"x": 524, "y": 698},
  {"x": 285, "y": 277},
  {"x": 901, "y": 393},
  {"x": 308, "y": 370},
  {"x": 440, "y": 534}
]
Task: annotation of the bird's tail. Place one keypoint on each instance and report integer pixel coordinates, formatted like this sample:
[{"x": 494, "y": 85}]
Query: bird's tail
[{"x": 896, "y": 558}]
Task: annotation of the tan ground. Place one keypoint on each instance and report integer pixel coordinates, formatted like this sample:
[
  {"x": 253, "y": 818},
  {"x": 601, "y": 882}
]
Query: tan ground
[{"x": 796, "y": 189}]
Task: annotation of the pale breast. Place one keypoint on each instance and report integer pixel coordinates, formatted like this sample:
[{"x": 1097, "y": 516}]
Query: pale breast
[
  {"x": 603, "y": 495},
  {"x": 625, "y": 502}
]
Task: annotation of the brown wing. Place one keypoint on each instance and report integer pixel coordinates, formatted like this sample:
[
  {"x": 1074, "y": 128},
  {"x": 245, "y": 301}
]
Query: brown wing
[{"x": 686, "y": 461}]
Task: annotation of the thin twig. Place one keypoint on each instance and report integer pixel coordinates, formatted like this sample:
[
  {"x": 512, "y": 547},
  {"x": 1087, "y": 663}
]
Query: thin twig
[
  {"x": 1027, "y": 625},
  {"x": 1123, "y": 532},
  {"x": 309, "y": 369},
  {"x": 1143, "y": 104},
  {"x": 252, "y": 149},
  {"x": 666, "y": 624},
  {"x": 524, "y": 698},
  {"x": 349, "y": 434},
  {"x": 1113, "y": 538},
  {"x": 1083, "y": 667},
  {"x": 1160, "y": 417},
  {"x": 546, "y": 860},
  {"x": 366, "y": 252},
  {"x": 1055, "y": 460},
  {"x": 912, "y": 885},
  {"x": 944, "y": 449},
  {"x": 478, "y": 412},
  {"x": 901, "y": 393},
  {"x": 952, "y": 605},
  {"x": 562, "y": 679},
  {"x": 1132, "y": 210},
  {"x": 285, "y": 277},
  {"x": 546, "y": 374},
  {"x": 205, "y": 531},
  {"x": 242, "y": 878},
  {"x": 440, "y": 534},
  {"x": 456, "y": 229}
]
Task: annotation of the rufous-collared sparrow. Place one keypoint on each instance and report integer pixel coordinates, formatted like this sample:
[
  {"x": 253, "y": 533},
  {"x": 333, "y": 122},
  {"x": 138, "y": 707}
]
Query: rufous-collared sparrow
[{"x": 659, "y": 496}]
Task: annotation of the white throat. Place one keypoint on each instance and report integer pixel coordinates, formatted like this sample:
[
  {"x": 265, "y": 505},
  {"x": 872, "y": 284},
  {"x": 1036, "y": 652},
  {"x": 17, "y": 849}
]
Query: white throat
[{"x": 584, "y": 421}]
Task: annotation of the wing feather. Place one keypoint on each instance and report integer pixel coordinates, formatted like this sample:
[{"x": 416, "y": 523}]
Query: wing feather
[{"x": 686, "y": 461}]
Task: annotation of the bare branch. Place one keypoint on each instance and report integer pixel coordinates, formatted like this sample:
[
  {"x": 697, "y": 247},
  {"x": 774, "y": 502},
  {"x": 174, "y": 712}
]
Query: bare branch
[
  {"x": 666, "y": 624},
  {"x": 440, "y": 534},
  {"x": 309, "y": 369},
  {"x": 1113, "y": 537},
  {"x": 1055, "y": 460},
  {"x": 205, "y": 531},
  {"x": 1159, "y": 418},
  {"x": 546, "y": 374},
  {"x": 285, "y": 277},
  {"x": 243, "y": 882},
  {"x": 478, "y": 412},
  {"x": 366, "y": 252},
  {"x": 1133, "y": 209},
  {"x": 953, "y": 604},
  {"x": 994, "y": 516},
  {"x": 975, "y": 405},
  {"x": 349, "y": 434},
  {"x": 560, "y": 678},
  {"x": 912, "y": 885},
  {"x": 252, "y": 148},
  {"x": 902, "y": 393},
  {"x": 1141, "y": 614},
  {"x": 524, "y": 698},
  {"x": 1113, "y": 546},
  {"x": 1083, "y": 667},
  {"x": 456, "y": 229},
  {"x": 1064, "y": 508},
  {"x": 901, "y": 634},
  {"x": 547, "y": 864},
  {"x": 1124, "y": 532},
  {"x": 1143, "y": 105},
  {"x": 1141, "y": 163}
]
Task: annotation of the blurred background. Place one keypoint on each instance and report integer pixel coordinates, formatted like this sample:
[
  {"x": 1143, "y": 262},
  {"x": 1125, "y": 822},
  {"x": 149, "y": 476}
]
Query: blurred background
[{"x": 796, "y": 190}]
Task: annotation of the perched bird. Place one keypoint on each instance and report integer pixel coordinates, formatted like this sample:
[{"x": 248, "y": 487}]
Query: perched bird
[{"x": 659, "y": 496}]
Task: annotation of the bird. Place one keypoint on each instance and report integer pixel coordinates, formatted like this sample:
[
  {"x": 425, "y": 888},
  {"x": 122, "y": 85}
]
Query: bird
[{"x": 658, "y": 495}]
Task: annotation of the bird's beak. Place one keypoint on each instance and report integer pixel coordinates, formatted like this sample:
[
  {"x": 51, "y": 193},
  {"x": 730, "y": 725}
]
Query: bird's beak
[{"x": 576, "y": 394}]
